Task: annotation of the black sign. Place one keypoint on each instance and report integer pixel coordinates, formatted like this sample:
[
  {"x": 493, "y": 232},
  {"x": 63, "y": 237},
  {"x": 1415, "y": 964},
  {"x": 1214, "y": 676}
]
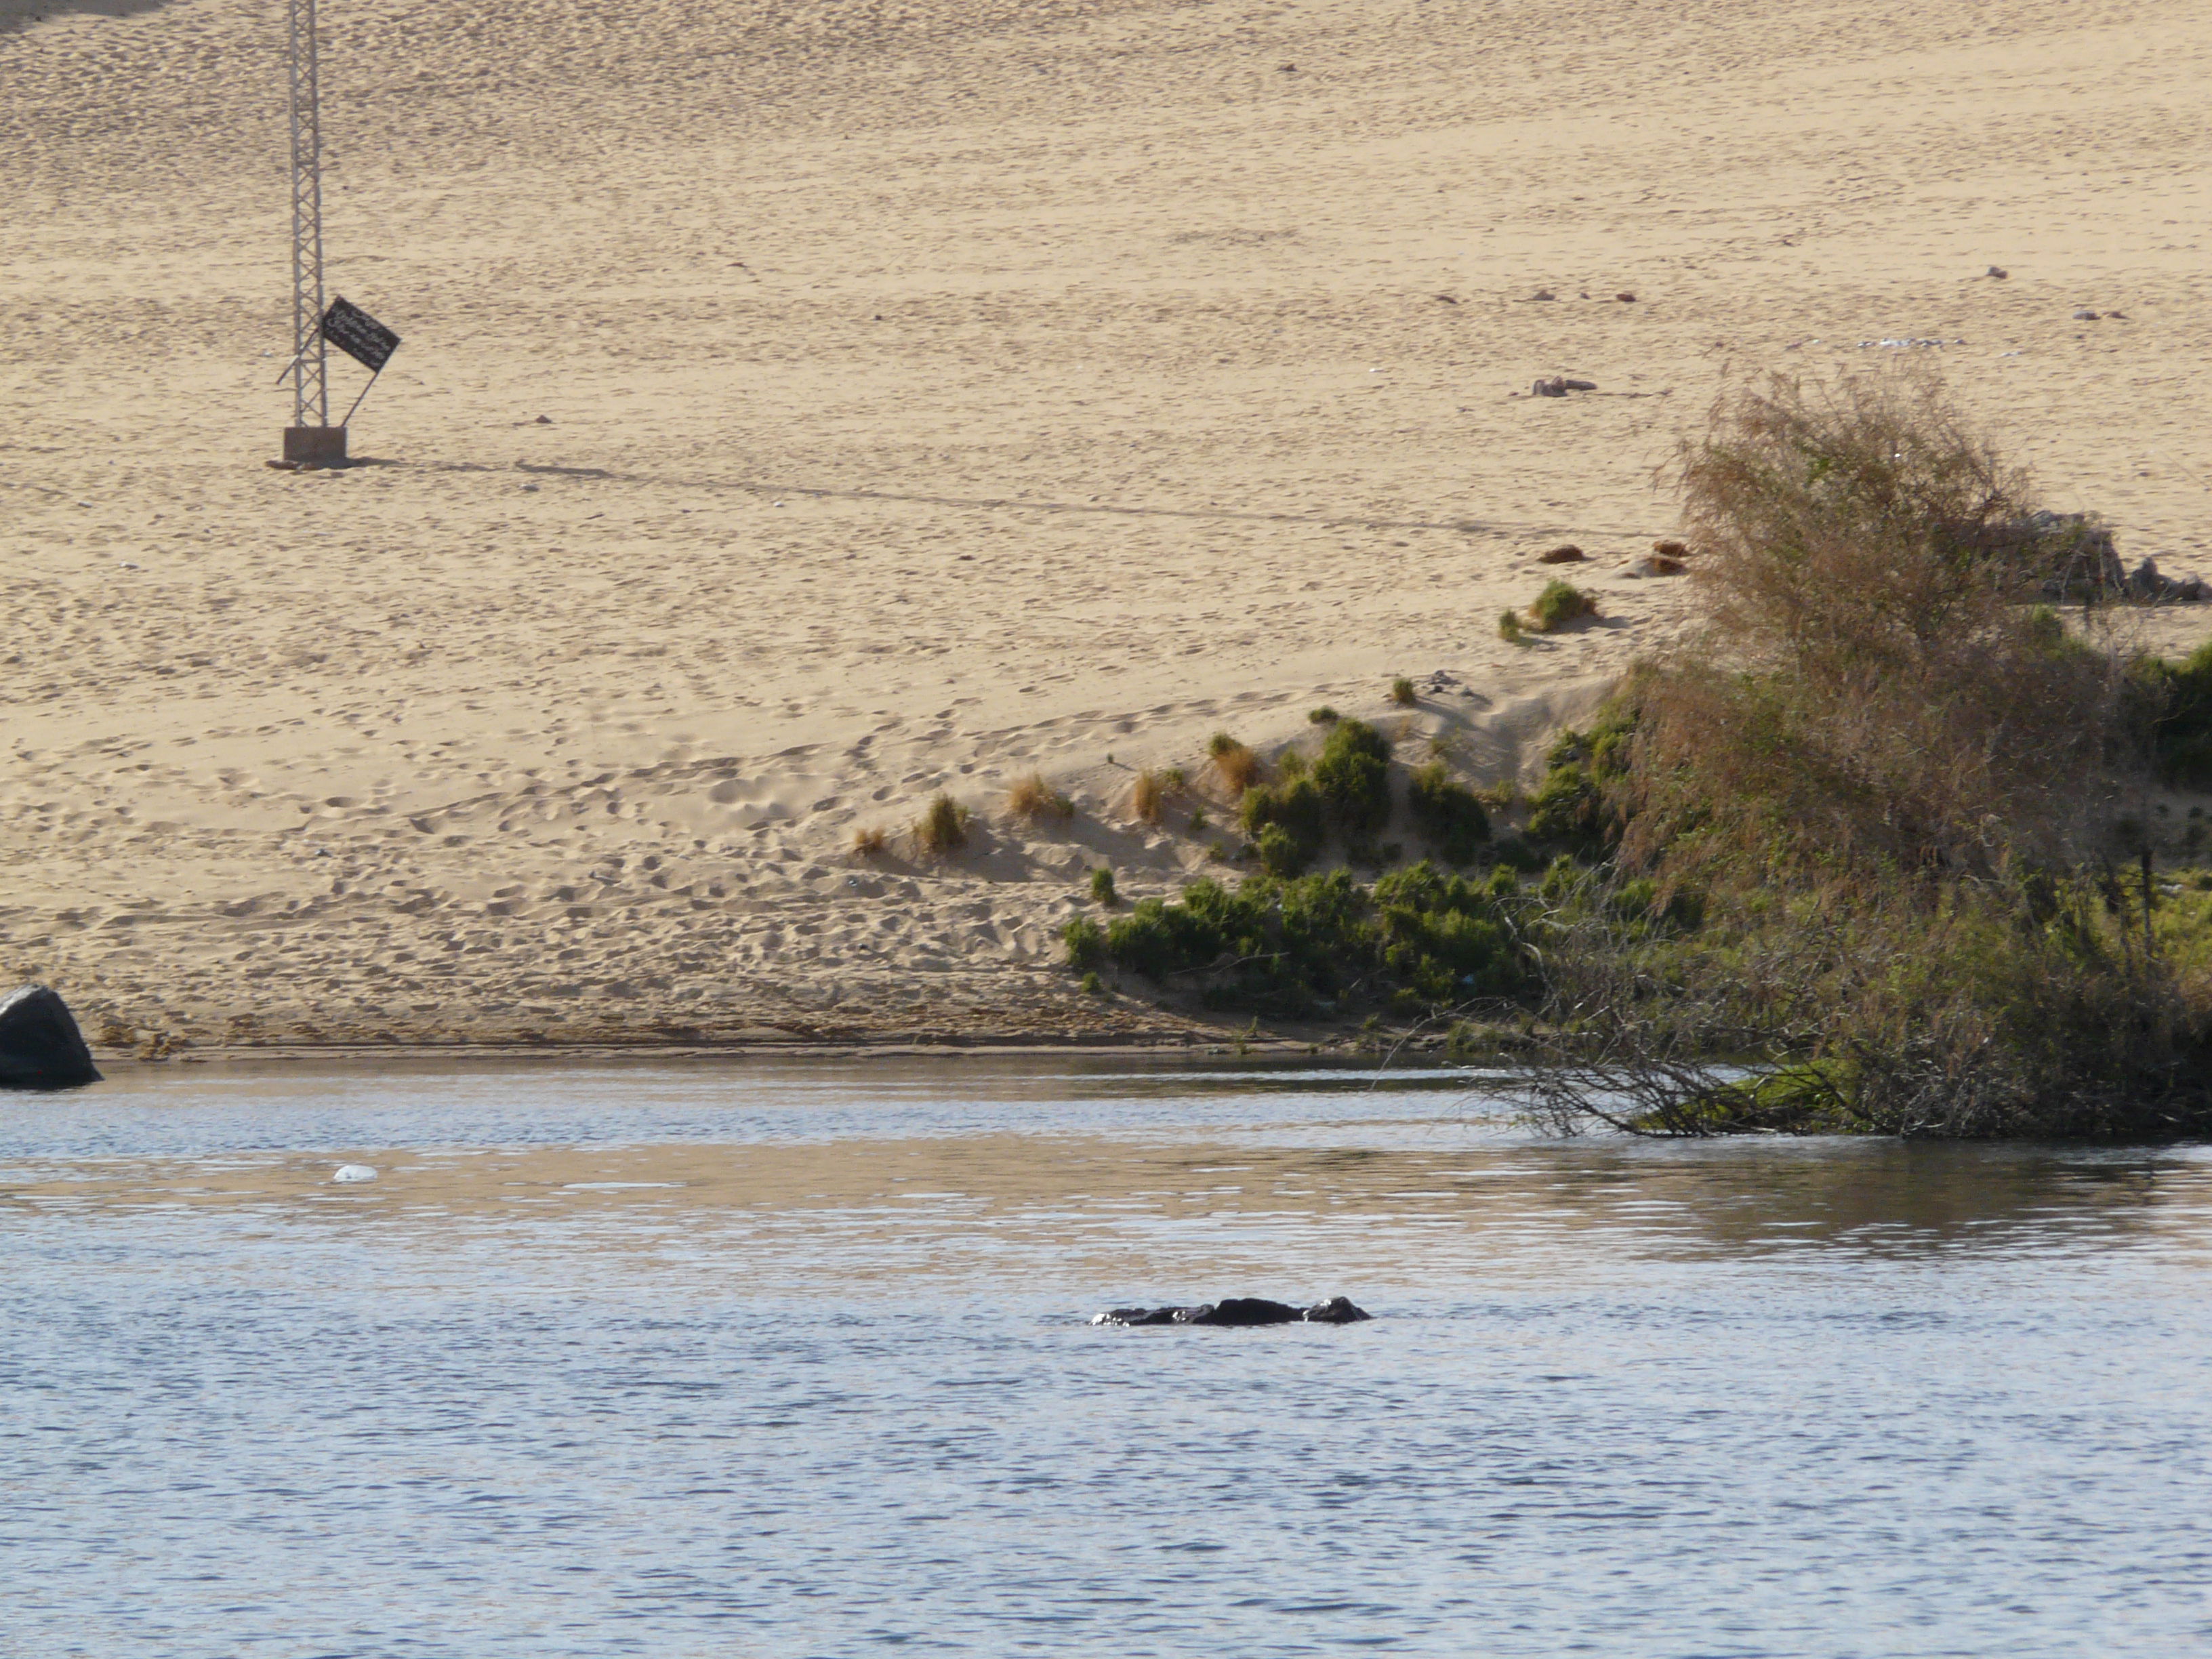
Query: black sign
[{"x": 359, "y": 335}]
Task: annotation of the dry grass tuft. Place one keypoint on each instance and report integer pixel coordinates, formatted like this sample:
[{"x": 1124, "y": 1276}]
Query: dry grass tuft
[
  {"x": 1148, "y": 796},
  {"x": 942, "y": 829},
  {"x": 871, "y": 842},
  {"x": 1238, "y": 766},
  {"x": 1032, "y": 798}
]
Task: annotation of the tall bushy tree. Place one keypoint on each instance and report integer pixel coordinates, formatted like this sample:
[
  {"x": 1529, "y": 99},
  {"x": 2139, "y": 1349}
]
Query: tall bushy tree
[
  {"x": 1874, "y": 680},
  {"x": 1895, "y": 779}
]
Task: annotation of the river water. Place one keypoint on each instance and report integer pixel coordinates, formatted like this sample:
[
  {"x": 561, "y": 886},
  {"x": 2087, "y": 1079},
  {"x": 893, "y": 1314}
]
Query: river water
[{"x": 791, "y": 1361}]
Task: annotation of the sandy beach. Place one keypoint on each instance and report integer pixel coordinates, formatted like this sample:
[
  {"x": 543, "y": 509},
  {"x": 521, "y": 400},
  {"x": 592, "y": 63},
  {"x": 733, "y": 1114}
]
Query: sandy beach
[{"x": 805, "y": 409}]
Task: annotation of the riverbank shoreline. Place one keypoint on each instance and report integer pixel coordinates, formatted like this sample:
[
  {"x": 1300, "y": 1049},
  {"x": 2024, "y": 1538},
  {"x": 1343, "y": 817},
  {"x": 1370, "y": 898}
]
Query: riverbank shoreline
[{"x": 1237, "y": 1041}]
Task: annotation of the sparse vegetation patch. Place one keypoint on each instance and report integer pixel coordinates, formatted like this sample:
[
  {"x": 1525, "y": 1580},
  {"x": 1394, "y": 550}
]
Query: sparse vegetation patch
[
  {"x": 942, "y": 829},
  {"x": 1031, "y": 798},
  {"x": 1559, "y": 605}
]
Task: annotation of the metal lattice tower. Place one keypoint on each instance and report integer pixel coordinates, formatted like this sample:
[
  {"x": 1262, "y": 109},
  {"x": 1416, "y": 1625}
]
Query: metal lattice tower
[{"x": 311, "y": 396}]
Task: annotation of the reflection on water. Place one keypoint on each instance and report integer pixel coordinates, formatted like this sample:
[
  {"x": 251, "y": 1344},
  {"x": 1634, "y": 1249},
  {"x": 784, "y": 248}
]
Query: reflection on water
[{"x": 791, "y": 1361}]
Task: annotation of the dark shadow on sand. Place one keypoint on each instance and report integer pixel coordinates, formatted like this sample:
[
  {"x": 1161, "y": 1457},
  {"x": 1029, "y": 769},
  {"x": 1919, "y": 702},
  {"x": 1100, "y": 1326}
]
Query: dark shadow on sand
[
  {"x": 1013, "y": 503},
  {"x": 19, "y": 14}
]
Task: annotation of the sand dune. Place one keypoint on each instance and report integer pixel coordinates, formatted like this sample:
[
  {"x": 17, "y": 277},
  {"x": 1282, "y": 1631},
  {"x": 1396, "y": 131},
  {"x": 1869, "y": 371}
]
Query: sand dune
[{"x": 806, "y": 408}]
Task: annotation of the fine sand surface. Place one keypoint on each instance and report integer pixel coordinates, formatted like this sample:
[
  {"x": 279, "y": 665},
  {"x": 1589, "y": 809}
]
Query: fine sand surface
[{"x": 808, "y": 407}]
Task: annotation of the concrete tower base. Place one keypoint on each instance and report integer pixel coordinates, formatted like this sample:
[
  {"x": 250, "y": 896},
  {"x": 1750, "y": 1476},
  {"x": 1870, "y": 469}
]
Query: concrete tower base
[{"x": 315, "y": 446}]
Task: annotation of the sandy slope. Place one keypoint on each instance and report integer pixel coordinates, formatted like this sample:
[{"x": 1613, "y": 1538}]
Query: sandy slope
[{"x": 933, "y": 391}]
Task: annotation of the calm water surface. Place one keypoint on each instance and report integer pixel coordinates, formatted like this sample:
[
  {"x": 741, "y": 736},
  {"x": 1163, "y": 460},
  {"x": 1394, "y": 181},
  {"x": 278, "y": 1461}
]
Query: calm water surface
[{"x": 791, "y": 1361}]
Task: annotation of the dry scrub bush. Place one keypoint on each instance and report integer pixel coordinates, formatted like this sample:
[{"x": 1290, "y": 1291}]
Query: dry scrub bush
[
  {"x": 1238, "y": 766},
  {"x": 1032, "y": 798},
  {"x": 1893, "y": 787},
  {"x": 1871, "y": 681}
]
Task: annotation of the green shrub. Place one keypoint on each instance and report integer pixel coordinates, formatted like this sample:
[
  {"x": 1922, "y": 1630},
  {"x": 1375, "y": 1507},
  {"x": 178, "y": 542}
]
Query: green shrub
[
  {"x": 1281, "y": 854},
  {"x": 2180, "y": 697},
  {"x": 1574, "y": 806},
  {"x": 1401, "y": 692},
  {"x": 1323, "y": 715},
  {"x": 1421, "y": 938},
  {"x": 1509, "y": 626},
  {"x": 1086, "y": 944},
  {"x": 1448, "y": 938},
  {"x": 1559, "y": 603},
  {"x": 1296, "y": 808},
  {"x": 1448, "y": 812},
  {"x": 1102, "y": 887},
  {"x": 1353, "y": 776}
]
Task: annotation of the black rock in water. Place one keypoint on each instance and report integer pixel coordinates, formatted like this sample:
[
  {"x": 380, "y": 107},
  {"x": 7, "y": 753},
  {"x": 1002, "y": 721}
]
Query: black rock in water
[
  {"x": 1138, "y": 1316},
  {"x": 1245, "y": 1311},
  {"x": 1239, "y": 1312},
  {"x": 40, "y": 1046},
  {"x": 1337, "y": 1310}
]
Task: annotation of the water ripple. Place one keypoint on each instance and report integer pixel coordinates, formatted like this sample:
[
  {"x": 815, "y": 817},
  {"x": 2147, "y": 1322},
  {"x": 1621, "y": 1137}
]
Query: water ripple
[{"x": 790, "y": 1362}]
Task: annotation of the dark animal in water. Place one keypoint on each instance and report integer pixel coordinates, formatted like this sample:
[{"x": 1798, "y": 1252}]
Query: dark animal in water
[{"x": 1239, "y": 1310}]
